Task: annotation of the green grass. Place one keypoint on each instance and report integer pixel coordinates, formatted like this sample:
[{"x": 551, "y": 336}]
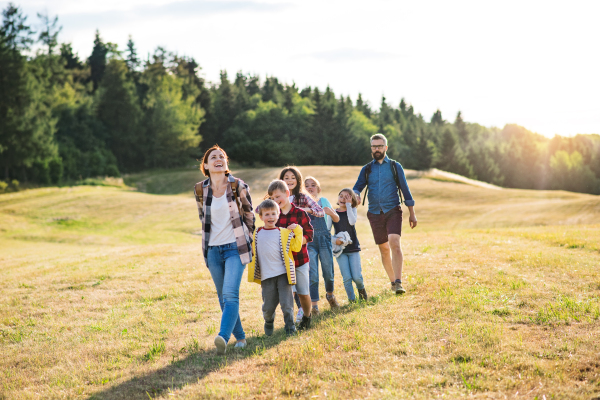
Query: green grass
[{"x": 104, "y": 294}]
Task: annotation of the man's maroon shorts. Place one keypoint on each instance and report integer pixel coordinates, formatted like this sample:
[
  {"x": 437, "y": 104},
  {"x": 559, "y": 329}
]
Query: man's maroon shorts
[{"x": 386, "y": 224}]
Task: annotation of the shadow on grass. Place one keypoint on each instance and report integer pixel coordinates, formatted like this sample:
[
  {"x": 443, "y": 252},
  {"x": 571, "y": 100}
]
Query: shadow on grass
[{"x": 197, "y": 365}]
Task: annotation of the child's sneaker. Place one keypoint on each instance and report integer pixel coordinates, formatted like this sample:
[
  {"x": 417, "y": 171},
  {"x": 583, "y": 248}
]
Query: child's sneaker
[
  {"x": 299, "y": 316},
  {"x": 291, "y": 332},
  {"x": 240, "y": 345},
  {"x": 221, "y": 345},
  {"x": 399, "y": 288},
  {"x": 305, "y": 324},
  {"x": 332, "y": 301},
  {"x": 362, "y": 294},
  {"x": 269, "y": 326}
]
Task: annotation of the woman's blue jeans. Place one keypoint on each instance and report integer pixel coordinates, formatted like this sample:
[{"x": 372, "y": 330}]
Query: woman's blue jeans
[
  {"x": 320, "y": 248},
  {"x": 227, "y": 270},
  {"x": 351, "y": 271}
]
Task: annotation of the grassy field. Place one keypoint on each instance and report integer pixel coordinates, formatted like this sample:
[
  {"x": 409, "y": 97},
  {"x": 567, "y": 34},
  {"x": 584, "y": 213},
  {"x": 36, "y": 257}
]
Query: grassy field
[{"x": 104, "y": 294}]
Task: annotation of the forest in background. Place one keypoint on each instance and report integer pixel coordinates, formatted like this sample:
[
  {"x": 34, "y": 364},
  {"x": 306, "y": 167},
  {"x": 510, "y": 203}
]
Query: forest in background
[{"x": 64, "y": 119}]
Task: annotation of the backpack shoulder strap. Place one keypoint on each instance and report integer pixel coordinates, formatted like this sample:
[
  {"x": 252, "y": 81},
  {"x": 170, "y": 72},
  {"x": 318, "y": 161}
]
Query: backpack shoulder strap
[
  {"x": 235, "y": 185},
  {"x": 199, "y": 196},
  {"x": 367, "y": 172},
  {"x": 394, "y": 167}
]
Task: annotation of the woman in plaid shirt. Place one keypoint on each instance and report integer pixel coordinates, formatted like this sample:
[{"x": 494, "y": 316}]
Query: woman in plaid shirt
[{"x": 225, "y": 209}]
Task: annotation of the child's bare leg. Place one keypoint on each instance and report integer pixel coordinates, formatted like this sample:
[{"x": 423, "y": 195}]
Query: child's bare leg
[{"x": 305, "y": 301}]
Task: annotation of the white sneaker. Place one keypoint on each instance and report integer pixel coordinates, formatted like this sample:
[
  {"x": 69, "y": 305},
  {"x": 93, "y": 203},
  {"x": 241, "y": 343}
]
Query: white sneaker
[
  {"x": 221, "y": 345},
  {"x": 299, "y": 316},
  {"x": 240, "y": 345}
]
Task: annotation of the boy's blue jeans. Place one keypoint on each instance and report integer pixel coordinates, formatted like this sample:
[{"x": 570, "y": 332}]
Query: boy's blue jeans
[
  {"x": 226, "y": 270},
  {"x": 320, "y": 248},
  {"x": 351, "y": 271}
]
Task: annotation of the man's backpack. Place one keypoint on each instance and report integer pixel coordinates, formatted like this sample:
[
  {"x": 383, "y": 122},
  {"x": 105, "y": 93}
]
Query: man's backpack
[
  {"x": 394, "y": 168},
  {"x": 234, "y": 188}
]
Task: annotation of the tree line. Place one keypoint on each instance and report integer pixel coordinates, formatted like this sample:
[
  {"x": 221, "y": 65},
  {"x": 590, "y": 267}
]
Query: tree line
[{"x": 63, "y": 119}]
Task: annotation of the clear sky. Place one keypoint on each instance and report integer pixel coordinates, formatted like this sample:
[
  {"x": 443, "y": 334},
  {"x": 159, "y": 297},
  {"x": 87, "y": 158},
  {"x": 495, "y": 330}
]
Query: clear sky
[{"x": 534, "y": 63}]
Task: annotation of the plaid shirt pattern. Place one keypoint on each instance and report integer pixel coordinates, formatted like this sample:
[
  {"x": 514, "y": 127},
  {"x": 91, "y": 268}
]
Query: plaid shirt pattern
[
  {"x": 243, "y": 225},
  {"x": 305, "y": 201},
  {"x": 300, "y": 217}
]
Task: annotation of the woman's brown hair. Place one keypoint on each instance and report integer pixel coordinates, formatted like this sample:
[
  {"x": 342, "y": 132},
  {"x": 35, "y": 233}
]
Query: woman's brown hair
[{"x": 205, "y": 159}]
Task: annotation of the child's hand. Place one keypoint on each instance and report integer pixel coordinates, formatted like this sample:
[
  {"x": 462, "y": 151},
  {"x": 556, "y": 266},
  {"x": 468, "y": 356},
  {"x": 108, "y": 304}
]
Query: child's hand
[
  {"x": 292, "y": 227},
  {"x": 338, "y": 241}
]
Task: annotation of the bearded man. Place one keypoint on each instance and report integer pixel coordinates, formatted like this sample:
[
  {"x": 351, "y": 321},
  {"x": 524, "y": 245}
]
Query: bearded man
[{"x": 385, "y": 179}]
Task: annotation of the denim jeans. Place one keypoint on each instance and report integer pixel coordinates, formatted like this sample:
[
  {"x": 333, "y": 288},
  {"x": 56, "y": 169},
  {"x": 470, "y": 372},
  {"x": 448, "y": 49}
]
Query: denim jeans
[
  {"x": 320, "y": 248},
  {"x": 226, "y": 270},
  {"x": 351, "y": 271}
]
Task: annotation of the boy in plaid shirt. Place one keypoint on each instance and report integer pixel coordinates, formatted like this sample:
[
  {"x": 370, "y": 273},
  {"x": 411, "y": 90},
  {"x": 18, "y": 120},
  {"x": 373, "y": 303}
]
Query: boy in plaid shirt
[{"x": 291, "y": 216}]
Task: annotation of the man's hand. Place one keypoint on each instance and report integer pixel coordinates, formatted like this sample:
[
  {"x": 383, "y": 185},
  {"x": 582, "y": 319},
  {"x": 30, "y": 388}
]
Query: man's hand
[
  {"x": 358, "y": 197},
  {"x": 412, "y": 219},
  {"x": 292, "y": 227}
]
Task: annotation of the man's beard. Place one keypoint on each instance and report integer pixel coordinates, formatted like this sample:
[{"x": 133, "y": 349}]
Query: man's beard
[{"x": 378, "y": 155}]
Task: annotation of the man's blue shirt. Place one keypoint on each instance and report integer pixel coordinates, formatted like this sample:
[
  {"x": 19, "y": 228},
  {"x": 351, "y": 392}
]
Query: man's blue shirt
[{"x": 383, "y": 192}]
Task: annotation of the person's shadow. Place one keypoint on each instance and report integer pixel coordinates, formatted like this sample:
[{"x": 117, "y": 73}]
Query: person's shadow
[{"x": 197, "y": 365}]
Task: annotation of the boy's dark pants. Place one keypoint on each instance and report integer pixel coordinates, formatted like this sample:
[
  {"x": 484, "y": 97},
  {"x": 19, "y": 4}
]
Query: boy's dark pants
[{"x": 276, "y": 291}]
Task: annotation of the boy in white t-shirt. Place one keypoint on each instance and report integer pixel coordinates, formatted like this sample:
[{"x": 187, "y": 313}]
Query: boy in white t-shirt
[{"x": 273, "y": 266}]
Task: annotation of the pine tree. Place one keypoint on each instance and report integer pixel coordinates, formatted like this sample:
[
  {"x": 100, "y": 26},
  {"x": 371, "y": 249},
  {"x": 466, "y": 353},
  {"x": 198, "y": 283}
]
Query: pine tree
[
  {"x": 97, "y": 60},
  {"x": 26, "y": 123},
  {"x": 436, "y": 118},
  {"x": 118, "y": 109},
  {"x": 49, "y": 34},
  {"x": 132, "y": 60}
]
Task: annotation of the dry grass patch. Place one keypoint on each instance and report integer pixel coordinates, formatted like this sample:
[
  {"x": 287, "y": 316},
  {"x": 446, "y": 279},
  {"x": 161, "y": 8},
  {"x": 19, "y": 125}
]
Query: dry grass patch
[{"x": 104, "y": 295}]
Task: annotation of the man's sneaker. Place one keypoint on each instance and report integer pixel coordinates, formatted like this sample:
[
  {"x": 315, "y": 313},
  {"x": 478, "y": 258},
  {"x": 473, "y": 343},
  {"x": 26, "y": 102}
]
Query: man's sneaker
[
  {"x": 332, "y": 301},
  {"x": 362, "y": 294},
  {"x": 221, "y": 345},
  {"x": 305, "y": 324},
  {"x": 269, "y": 326},
  {"x": 299, "y": 316},
  {"x": 240, "y": 345},
  {"x": 399, "y": 288}
]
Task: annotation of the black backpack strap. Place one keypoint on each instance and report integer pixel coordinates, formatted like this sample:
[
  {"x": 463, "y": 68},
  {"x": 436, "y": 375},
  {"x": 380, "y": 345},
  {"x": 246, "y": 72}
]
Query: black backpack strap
[
  {"x": 395, "y": 173},
  {"x": 367, "y": 172}
]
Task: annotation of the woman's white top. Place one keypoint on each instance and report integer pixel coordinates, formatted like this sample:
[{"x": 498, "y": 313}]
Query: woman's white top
[{"x": 221, "y": 230}]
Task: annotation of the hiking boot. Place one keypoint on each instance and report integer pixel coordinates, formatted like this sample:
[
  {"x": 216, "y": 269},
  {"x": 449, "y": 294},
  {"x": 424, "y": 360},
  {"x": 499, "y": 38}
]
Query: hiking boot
[
  {"x": 362, "y": 294},
  {"x": 305, "y": 324},
  {"x": 332, "y": 301},
  {"x": 315, "y": 311},
  {"x": 394, "y": 287},
  {"x": 269, "y": 327},
  {"x": 399, "y": 288},
  {"x": 300, "y": 315},
  {"x": 221, "y": 345}
]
